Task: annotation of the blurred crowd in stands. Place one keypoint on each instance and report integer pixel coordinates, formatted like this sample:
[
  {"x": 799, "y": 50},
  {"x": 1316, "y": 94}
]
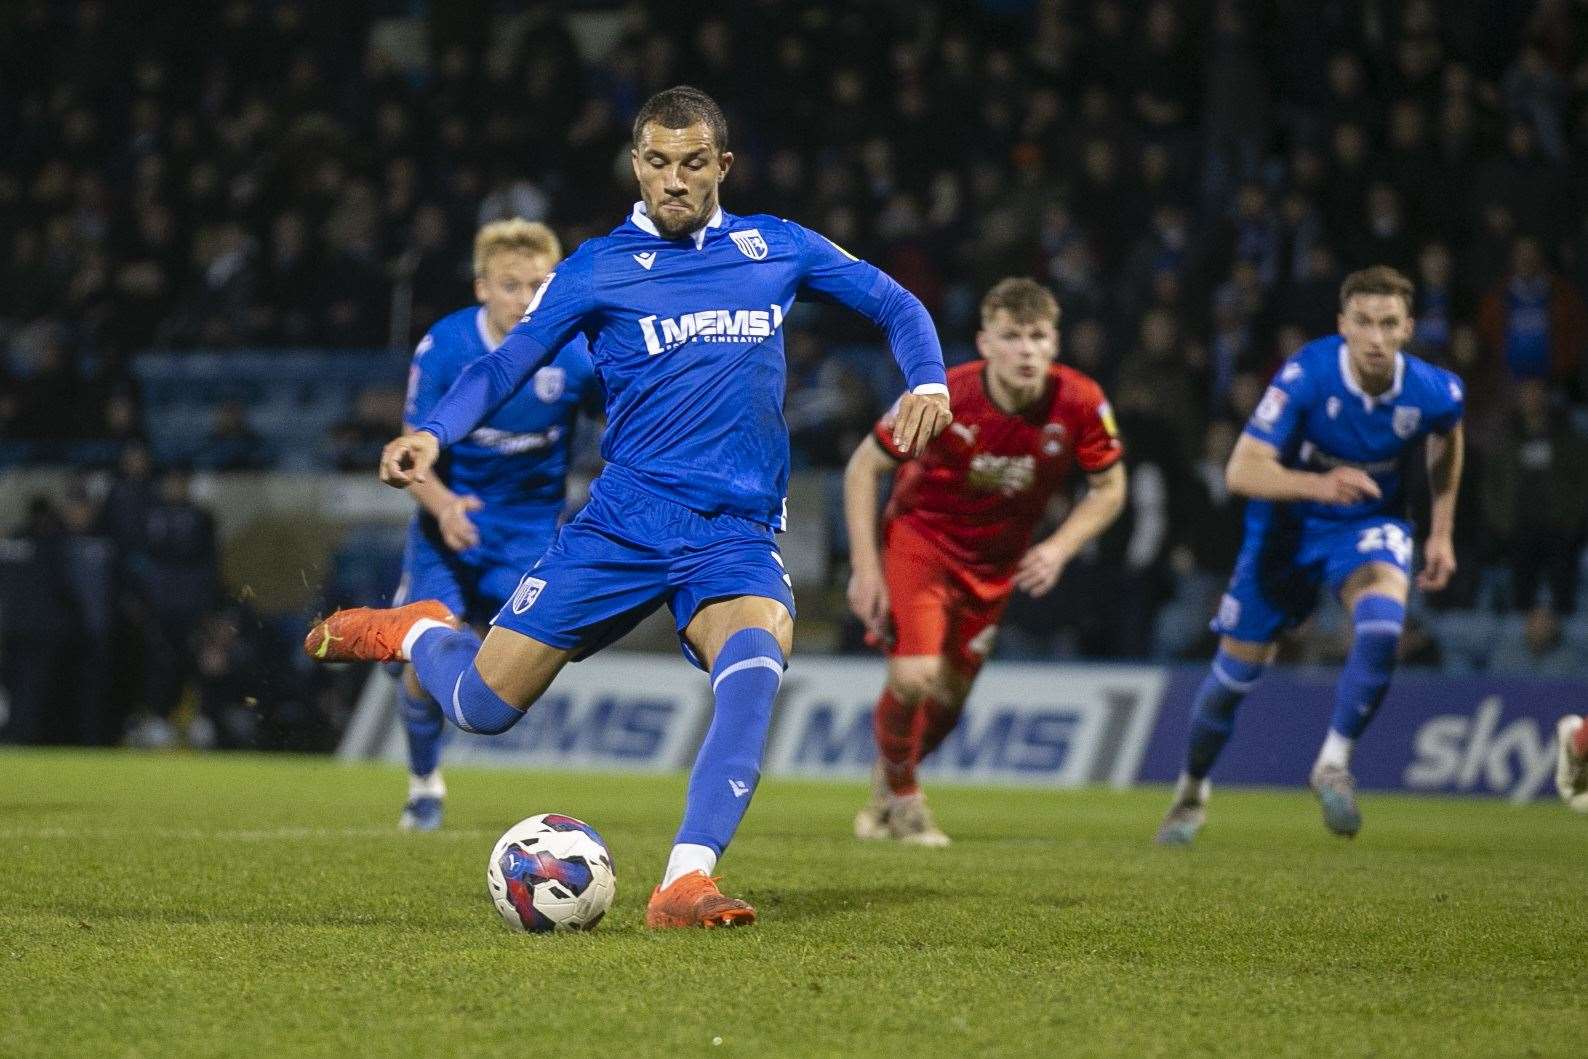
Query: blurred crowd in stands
[{"x": 1192, "y": 178}]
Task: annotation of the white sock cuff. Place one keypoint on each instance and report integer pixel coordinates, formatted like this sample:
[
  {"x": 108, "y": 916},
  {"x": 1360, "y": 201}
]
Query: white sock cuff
[
  {"x": 1336, "y": 750},
  {"x": 758, "y": 662},
  {"x": 416, "y": 630},
  {"x": 431, "y": 786},
  {"x": 687, "y": 857}
]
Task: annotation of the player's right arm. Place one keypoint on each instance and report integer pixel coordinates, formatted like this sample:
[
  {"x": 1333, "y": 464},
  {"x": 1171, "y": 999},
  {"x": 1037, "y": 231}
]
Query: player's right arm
[
  {"x": 868, "y": 593},
  {"x": 560, "y": 305},
  {"x": 1255, "y": 469}
]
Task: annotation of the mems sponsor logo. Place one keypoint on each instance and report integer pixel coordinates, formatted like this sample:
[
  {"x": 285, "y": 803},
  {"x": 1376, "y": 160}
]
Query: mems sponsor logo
[
  {"x": 663, "y": 334},
  {"x": 1001, "y": 474}
]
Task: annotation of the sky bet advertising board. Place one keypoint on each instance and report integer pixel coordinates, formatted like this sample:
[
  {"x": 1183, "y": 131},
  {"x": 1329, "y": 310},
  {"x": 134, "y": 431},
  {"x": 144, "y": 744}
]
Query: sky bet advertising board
[{"x": 1027, "y": 724}]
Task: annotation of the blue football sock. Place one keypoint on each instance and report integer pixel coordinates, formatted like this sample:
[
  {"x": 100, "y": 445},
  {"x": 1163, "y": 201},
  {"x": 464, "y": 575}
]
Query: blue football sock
[
  {"x": 444, "y": 660},
  {"x": 744, "y": 680},
  {"x": 1365, "y": 680},
  {"x": 1213, "y": 710},
  {"x": 423, "y": 724}
]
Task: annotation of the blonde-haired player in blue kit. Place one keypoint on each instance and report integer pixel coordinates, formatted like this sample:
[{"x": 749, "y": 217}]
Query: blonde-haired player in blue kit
[
  {"x": 1322, "y": 461},
  {"x": 493, "y": 504},
  {"x": 683, "y": 304}
]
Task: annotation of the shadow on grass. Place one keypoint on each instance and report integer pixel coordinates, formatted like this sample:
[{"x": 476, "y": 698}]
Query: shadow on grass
[
  {"x": 88, "y": 917},
  {"x": 818, "y": 902}
]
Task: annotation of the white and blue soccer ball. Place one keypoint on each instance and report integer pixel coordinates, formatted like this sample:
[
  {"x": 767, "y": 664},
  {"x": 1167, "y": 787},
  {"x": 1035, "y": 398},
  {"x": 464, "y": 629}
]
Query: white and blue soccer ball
[{"x": 551, "y": 872}]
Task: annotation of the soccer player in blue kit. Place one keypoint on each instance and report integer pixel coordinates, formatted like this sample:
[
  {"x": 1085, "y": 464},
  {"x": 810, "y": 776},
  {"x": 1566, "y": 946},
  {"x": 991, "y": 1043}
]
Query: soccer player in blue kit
[
  {"x": 1322, "y": 463},
  {"x": 492, "y": 505},
  {"x": 683, "y": 305}
]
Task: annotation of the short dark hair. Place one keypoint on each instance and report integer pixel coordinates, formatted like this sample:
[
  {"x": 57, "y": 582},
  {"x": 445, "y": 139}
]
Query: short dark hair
[
  {"x": 1380, "y": 279},
  {"x": 680, "y": 107}
]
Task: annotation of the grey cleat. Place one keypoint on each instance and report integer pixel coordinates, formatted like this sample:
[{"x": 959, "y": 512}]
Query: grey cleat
[
  {"x": 1336, "y": 790},
  {"x": 871, "y": 822},
  {"x": 910, "y": 821},
  {"x": 1187, "y": 815}
]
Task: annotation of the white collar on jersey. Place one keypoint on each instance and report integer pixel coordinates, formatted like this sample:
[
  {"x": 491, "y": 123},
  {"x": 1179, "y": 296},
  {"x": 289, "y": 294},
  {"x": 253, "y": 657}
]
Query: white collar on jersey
[
  {"x": 1368, "y": 400},
  {"x": 643, "y": 222},
  {"x": 485, "y": 332}
]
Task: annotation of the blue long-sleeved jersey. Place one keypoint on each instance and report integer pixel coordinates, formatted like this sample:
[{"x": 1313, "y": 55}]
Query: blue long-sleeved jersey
[{"x": 687, "y": 337}]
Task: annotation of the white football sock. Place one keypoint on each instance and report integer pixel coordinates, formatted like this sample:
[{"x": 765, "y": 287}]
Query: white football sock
[
  {"x": 1191, "y": 790},
  {"x": 1336, "y": 750},
  {"x": 687, "y": 857},
  {"x": 416, "y": 630},
  {"x": 431, "y": 786}
]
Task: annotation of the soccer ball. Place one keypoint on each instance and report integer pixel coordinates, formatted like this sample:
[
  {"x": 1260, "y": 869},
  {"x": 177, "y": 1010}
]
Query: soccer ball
[{"x": 551, "y": 872}]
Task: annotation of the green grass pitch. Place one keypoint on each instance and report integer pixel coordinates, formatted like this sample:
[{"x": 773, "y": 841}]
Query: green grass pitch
[{"x": 171, "y": 906}]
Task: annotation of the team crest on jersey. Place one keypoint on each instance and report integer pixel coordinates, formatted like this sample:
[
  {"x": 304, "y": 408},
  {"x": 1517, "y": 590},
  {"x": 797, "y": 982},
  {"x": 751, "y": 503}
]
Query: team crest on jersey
[
  {"x": 550, "y": 382},
  {"x": 527, "y": 592},
  {"x": 1053, "y": 439},
  {"x": 1406, "y": 420},
  {"x": 1332, "y": 406},
  {"x": 750, "y": 244}
]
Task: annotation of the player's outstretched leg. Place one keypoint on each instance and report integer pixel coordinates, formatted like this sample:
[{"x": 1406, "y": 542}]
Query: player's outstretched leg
[
  {"x": 745, "y": 677},
  {"x": 1571, "y": 762},
  {"x": 1212, "y": 721},
  {"x": 1377, "y": 622},
  {"x": 423, "y": 726},
  {"x": 449, "y": 661}
]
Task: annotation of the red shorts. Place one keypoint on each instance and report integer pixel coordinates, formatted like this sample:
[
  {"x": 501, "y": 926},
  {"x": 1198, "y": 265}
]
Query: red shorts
[{"x": 939, "y": 606}]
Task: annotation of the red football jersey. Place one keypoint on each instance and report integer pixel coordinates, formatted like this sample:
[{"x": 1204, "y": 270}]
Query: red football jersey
[{"x": 982, "y": 485}]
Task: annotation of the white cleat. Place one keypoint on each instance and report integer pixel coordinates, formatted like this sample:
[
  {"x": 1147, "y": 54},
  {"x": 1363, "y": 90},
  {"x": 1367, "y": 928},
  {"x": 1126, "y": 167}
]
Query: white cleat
[
  {"x": 1571, "y": 769},
  {"x": 1336, "y": 791},
  {"x": 871, "y": 822},
  {"x": 1186, "y": 816},
  {"x": 910, "y": 821}
]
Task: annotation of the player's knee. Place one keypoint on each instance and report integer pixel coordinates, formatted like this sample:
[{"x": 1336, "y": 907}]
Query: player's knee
[
  {"x": 410, "y": 681},
  {"x": 916, "y": 679}
]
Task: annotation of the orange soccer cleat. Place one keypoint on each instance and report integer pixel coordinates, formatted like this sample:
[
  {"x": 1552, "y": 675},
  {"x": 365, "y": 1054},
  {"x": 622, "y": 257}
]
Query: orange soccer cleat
[
  {"x": 694, "y": 901},
  {"x": 370, "y": 634}
]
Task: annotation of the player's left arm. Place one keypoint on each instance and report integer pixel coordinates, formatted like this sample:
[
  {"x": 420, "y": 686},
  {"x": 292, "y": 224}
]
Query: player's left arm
[
  {"x": 832, "y": 272},
  {"x": 1042, "y": 565},
  {"x": 1100, "y": 454},
  {"x": 1446, "y": 453}
]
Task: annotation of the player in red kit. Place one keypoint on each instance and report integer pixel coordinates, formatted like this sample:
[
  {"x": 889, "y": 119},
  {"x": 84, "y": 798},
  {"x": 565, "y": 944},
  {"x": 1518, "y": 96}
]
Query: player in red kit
[
  {"x": 1571, "y": 763},
  {"x": 956, "y": 538}
]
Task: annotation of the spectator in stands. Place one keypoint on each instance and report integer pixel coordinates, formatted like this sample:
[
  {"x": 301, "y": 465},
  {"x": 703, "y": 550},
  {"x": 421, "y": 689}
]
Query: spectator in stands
[
  {"x": 233, "y": 445},
  {"x": 1537, "y": 647},
  {"x": 175, "y": 581},
  {"x": 1536, "y": 499},
  {"x": 1533, "y": 323}
]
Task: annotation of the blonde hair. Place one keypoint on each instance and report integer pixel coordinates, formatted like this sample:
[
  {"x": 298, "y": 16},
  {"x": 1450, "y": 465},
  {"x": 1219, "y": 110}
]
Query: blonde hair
[
  {"x": 1024, "y": 299},
  {"x": 525, "y": 237}
]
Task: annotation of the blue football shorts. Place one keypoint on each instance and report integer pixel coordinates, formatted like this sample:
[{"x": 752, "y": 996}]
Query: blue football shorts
[
  {"x": 627, "y": 553},
  {"x": 1280, "y": 569},
  {"x": 475, "y": 583}
]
